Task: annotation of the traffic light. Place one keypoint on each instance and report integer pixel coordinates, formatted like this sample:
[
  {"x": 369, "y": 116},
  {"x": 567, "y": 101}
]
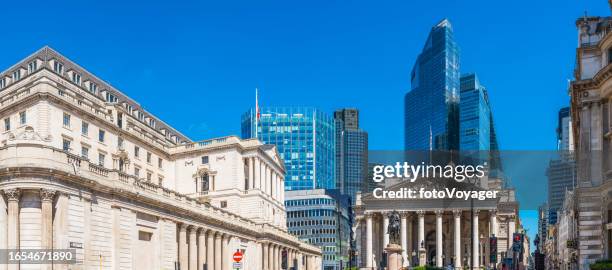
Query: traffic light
[{"x": 493, "y": 249}]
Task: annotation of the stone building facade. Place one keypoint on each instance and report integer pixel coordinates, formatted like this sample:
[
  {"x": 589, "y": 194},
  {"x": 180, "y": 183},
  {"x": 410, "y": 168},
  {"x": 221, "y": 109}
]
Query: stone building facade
[
  {"x": 591, "y": 112},
  {"x": 84, "y": 166}
]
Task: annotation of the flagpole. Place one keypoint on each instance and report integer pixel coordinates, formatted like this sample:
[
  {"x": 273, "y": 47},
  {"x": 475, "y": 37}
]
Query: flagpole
[{"x": 256, "y": 113}]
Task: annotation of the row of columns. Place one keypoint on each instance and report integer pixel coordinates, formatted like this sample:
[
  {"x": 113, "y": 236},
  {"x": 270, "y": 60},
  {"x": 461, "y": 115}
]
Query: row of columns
[
  {"x": 272, "y": 257},
  {"x": 406, "y": 235},
  {"x": 265, "y": 178},
  {"x": 11, "y": 232},
  {"x": 200, "y": 246}
]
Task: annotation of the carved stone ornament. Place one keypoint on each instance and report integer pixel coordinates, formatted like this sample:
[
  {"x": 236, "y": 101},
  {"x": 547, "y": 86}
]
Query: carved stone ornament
[
  {"x": 13, "y": 194},
  {"x": 47, "y": 195}
]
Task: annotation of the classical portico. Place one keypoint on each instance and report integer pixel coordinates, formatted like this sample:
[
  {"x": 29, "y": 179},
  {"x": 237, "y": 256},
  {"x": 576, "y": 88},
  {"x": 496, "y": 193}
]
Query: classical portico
[{"x": 433, "y": 231}]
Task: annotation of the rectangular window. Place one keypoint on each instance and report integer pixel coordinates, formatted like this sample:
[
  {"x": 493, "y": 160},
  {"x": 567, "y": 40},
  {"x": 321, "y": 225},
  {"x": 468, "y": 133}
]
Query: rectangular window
[
  {"x": 2, "y": 83},
  {"x": 160, "y": 162},
  {"x": 58, "y": 67},
  {"x": 111, "y": 98},
  {"x": 93, "y": 87},
  {"x": 160, "y": 181},
  {"x": 101, "y": 135},
  {"x": 101, "y": 159},
  {"x": 22, "y": 118},
  {"x": 66, "y": 120},
  {"x": 119, "y": 142},
  {"x": 7, "y": 124},
  {"x": 149, "y": 175},
  {"x": 136, "y": 151},
  {"x": 85, "y": 128},
  {"x": 148, "y": 157},
  {"x": 32, "y": 66},
  {"x": 16, "y": 75},
  {"x": 205, "y": 160},
  {"x": 76, "y": 78},
  {"x": 66, "y": 145},
  {"x": 85, "y": 152},
  {"x": 136, "y": 172}
]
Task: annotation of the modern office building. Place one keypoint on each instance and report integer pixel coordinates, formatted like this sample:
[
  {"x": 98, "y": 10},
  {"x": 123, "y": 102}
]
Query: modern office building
[
  {"x": 305, "y": 139},
  {"x": 561, "y": 171},
  {"x": 474, "y": 115},
  {"x": 351, "y": 153},
  {"x": 542, "y": 225},
  {"x": 322, "y": 218},
  {"x": 590, "y": 109},
  {"x": 83, "y": 166},
  {"x": 431, "y": 107}
]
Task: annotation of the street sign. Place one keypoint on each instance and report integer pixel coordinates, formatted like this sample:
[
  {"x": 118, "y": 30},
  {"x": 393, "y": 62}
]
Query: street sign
[
  {"x": 237, "y": 256},
  {"x": 237, "y": 265}
]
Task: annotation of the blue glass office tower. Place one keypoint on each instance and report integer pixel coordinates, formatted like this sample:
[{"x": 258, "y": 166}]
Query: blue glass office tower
[
  {"x": 474, "y": 115},
  {"x": 431, "y": 108},
  {"x": 351, "y": 153},
  {"x": 305, "y": 139}
]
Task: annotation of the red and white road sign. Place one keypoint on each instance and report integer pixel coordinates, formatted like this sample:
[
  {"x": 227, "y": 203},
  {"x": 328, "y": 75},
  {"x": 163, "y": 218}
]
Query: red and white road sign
[{"x": 237, "y": 256}]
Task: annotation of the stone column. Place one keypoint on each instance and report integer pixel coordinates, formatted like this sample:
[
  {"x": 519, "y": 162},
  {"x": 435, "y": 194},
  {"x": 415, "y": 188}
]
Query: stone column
[
  {"x": 13, "y": 196},
  {"x": 46, "y": 209},
  {"x": 457, "y": 215},
  {"x": 251, "y": 179},
  {"x": 227, "y": 253},
  {"x": 403, "y": 237},
  {"x": 385, "y": 231},
  {"x": 421, "y": 239},
  {"x": 257, "y": 172},
  {"x": 210, "y": 250},
  {"x": 218, "y": 251},
  {"x": 369, "y": 239},
  {"x": 493, "y": 222},
  {"x": 201, "y": 248},
  {"x": 193, "y": 249},
  {"x": 439, "y": 262},
  {"x": 183, "y": 248},
  {"x": 410, "y": 239},
  {"x": 3, "y": 228},
  {"x": 276, "y": 261},
  {"x": 264, "y": 248},
  {"x": 475, "y": 239},
  {"x": 270, "y": 256}
]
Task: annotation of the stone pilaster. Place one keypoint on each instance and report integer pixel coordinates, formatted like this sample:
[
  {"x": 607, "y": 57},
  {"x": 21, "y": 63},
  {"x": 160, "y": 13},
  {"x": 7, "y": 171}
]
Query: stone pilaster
[{"x": 13, "y": 196}]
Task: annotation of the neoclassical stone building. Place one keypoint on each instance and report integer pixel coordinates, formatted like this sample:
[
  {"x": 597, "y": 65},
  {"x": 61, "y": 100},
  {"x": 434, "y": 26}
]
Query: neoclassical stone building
[
  {"x": 84, "y": 166},
  {"x": 438, "y": 232},
  {"x": 591, "y": 108}
]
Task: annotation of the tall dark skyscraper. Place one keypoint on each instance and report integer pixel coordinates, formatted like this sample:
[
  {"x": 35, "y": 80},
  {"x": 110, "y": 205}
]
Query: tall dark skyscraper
[
  {"x": 431, "y": 108},
  {"x": 351, "y": 152}
]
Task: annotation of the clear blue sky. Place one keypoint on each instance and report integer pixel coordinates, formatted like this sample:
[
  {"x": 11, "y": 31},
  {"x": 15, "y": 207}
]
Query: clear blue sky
[{"x": 196, "y": 64}]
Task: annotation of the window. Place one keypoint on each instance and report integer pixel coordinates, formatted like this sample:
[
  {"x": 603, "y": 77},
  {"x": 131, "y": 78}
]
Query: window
[
  {"x": 111, "y": 98},
  {"x": 85, "y": 128},
  {"x": 7, "y": 124},
  {"x": 66, "y": 145},
  {"x": 66, "y": 120},
  {"x": 101, "y": 159},
  {"x": 205, "y": 182},
  {"x": 22, "y": 118},
  {"x": 160, "y": 162},
  {"x": 160, "y": 180},
  {"x": 32, "y": 66},
  {"x": 2, "y": 83},
  {"x": 76, "y": 78},
  {"x": 223, "y": 204},
  {"x": 148, "y": 157},
  {"x": 120, "y": 142},
  {"x": 16, "y": 75},
  {"x": 84, "y": 152},
  {"x": 136, "y": 172},
  {"x": 149, "y": 175},
  {"x": 136, "y": 151},
  {"x": 93, "y": 87},
  {"x": 205, "y": 160},
  {"x": 144, "y": 236},
  {"x": 101, "y": 135},
  {"x": 58, "y": 67}
]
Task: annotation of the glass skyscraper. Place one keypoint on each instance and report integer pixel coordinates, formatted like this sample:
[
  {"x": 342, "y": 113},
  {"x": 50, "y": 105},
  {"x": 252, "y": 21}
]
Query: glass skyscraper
[
  {"x": 305, "y": 139},
  {"x": 351, "y": 153},
  {"x": 474, "y": 115},
  {"x": 431, "y": 108}
]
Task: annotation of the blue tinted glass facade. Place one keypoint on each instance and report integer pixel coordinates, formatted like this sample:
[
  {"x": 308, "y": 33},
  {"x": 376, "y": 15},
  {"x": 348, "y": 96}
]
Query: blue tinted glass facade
[
  {"x": 322, "y": 218},
  {"x": 474, "y": 115},
  {"x": 431, "y": 106},
  {"x": 305, "y": 139}
]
